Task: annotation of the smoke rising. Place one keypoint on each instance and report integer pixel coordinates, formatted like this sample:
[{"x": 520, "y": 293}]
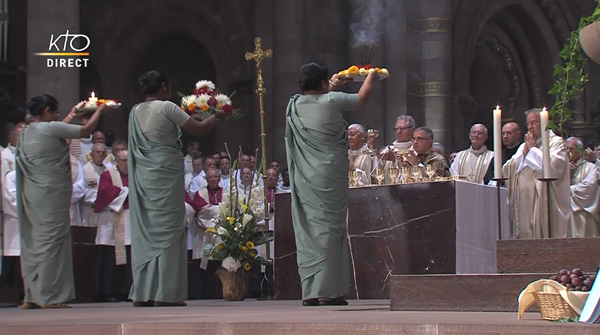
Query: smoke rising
[{"x": 369, "y": 28}]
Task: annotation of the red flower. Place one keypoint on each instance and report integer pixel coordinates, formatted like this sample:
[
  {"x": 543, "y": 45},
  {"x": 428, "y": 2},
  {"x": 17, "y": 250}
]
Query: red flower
[
  {"x": 227, "y": 109},
  {"x": 212, "y": 102}
]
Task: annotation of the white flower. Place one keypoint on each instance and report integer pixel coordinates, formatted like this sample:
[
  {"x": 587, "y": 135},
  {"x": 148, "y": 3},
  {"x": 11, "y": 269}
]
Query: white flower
[
  {"x": 222, "y": 99},
  {"x": 188, "y": 99},
  {"x": 222, "y": 231},
  {"x": 202, "y": 99},
  {"x": 258, "y": 211},
  {"x": 246, "y": 218},
  {"x": 206, "y": 84},
  {"x": 231, "y": 264}
]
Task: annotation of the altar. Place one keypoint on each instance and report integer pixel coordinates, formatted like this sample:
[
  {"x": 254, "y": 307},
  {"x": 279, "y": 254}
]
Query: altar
[{"x": 446, "y": 227}]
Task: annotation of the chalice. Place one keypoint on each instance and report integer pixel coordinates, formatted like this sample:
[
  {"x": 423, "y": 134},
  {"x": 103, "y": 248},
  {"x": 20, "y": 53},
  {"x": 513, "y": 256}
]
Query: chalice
[
  {"x": 355, "y": 175},
  {"x": 430, "y": 170},
  {"x": 372, "y": 135},
  {"x": 393, "y": 175},
  {"x": 379, "y": 175}
]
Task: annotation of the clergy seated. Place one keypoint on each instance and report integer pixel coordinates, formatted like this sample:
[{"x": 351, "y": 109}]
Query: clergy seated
[
  {"x": 585, "y": 192},
  {"x": 473, "y": 163},
  {"x": 528, "y": 196},
  {"x": 201, "y": 209},
  {"x": 404, "y": 130},
  {"x": 284, "y": 187},
  {"x": 113, "y": 235}
]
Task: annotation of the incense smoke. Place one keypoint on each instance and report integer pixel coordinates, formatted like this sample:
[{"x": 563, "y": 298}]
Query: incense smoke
[{"x": 369, "y": 28}]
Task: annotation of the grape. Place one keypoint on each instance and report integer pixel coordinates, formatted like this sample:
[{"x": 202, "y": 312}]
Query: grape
[
  {"x": 576, "y": 282},
  {"x": 562, "y": 272},
  {"x": 585, "y": 289},
  {"x": 565, "y": 279},
  {"x": 577, "y": 271},
  {"x": 573, "y": 276}
]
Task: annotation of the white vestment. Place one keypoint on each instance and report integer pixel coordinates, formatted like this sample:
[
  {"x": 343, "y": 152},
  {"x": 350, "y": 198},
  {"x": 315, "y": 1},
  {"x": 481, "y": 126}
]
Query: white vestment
[
  {"x": 105, "y": 233},
  {"x": 472, "y": 164},
  {"x": 585, "y": 199},
  {"x": 400, "y": 147},
  {"x": 91, "y": 174},
  {"x": 11, "y": 239},
  {"x": 78, "y": 191},
  {"x": 363, "y": 161},
  {"x": 203, "y": 220},
  {"x": 8, "y": 159},
  {"x": 528, "y": 197}
]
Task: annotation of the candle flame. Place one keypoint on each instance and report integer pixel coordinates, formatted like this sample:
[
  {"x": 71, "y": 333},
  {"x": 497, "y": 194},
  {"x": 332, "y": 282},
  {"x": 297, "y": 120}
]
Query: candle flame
[
  {"x": 497, "y": 107},
  {"x": 93, "y": 94},
  {"x": 544, "y": 109}
]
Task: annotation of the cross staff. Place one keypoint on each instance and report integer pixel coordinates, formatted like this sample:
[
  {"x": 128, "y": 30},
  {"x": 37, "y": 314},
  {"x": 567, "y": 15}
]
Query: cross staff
[{"x": 258, "y": 55}]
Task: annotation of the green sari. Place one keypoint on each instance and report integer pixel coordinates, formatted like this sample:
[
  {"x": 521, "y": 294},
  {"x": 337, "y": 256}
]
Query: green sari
[
  {"x": 317, "y": 157},
  {"x": 157, "y": 211},
  {"x": 44, "y": 188}
]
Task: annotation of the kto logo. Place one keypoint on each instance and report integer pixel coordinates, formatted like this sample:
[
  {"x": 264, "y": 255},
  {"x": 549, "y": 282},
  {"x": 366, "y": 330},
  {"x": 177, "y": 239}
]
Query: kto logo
[{"x": 69, "y": 48}]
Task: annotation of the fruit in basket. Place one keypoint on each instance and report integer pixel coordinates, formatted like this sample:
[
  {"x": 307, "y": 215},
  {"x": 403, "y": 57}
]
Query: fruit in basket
[{"x": 574, "y": 280}]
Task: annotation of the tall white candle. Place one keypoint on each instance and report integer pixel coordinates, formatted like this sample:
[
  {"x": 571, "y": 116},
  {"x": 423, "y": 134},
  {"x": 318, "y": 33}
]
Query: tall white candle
[
  {"x": 497, "y": 143},
  {"x": 93, "y": 98},
  {"x": 545, "y": 143}
]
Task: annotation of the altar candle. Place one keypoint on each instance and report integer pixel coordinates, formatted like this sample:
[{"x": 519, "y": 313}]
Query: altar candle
[
  {"x": 497, "y": 143},
  {"x": 545, "y": 143},
  {"x": 93, "y": 98}
]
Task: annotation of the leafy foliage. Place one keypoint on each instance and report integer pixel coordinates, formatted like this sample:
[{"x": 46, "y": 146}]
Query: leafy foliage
[{"x": 570, "y": 78}]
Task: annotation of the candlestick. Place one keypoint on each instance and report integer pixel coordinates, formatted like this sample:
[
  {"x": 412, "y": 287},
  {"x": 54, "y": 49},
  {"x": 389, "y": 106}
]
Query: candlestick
[
  {"x": 497, "y": 143},
  {"x": 545, "y": 143}
]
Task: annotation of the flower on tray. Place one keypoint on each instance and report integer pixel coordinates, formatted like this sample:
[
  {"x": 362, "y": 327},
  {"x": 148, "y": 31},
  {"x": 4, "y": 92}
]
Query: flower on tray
[{"x": 206, "y": 99}]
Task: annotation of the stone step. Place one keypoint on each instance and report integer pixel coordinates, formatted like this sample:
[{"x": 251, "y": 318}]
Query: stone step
[
  {"x": 460, "y": 293},
  {"x": 548, "y": 255}
]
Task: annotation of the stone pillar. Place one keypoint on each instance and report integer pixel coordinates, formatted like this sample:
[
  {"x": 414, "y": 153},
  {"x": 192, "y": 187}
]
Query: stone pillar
[
  {"x": 432, "y": 28},
  {"x": 44, "y": 19}
]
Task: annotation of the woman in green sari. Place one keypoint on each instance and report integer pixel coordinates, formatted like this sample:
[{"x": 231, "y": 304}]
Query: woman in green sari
[
  {"x": 317, "y": 156},
  {"x": 156, "y": 194},
  {"x": 44, "y": 188}
]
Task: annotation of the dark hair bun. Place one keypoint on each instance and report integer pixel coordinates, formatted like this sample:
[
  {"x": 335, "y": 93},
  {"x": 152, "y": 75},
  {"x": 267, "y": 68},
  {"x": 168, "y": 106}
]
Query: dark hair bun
[
  {"x": 312, "y": 75},
  {"x": 150, "y": 82},
  {"x": 37, "y": 104}
]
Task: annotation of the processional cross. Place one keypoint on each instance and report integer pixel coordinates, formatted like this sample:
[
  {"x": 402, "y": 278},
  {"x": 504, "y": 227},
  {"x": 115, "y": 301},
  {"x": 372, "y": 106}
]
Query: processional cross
[{"x": 258, "y": 55}]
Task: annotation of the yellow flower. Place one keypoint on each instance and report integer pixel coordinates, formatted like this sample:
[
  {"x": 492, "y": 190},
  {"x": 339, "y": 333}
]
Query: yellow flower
[
  {"x": 353, "y": 70},
  {"x": 204, "y": 107},
  {"x": 191, "y": 107},
  {"x": 250, "y": 244},
  {"x": 219, "y": 246},
  {"x": 247, "y": 266},
  {"x": 252, "y": 254},
  {"x": 244, "y": 248},
  {"x": 244, "y": 208},
  {"x": 231, "y": 219},
  {"x": 210, "y": 230}
]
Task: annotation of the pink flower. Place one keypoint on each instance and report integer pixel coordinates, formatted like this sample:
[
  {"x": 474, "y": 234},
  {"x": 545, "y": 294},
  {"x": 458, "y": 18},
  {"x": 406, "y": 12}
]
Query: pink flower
[
  {"x": 212, "y": 102},
  {"x": 227, "y": 109}
]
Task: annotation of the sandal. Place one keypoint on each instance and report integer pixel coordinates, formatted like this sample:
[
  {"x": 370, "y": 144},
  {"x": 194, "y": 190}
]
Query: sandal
[{"x": 58, "y": 305}]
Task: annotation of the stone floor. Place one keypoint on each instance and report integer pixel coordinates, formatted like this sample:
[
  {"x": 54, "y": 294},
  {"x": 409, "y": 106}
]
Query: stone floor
[{"x": 272, "y": 317}]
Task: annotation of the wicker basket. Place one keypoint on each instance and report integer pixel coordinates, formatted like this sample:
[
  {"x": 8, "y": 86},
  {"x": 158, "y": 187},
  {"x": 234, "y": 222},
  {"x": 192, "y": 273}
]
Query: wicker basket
[{"x": 553, "y": 307}]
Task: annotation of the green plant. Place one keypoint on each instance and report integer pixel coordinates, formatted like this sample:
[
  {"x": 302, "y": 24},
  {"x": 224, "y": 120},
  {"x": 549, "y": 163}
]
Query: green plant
[{"x": 571, "y": 78}]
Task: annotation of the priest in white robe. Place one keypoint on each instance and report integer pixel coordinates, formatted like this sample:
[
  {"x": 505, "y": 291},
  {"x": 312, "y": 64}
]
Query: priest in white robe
[
  {"x": 527, "y": 196},
  {"x": 473, "y": 163},
  {"x": 388, "y": 157},
  {"x": 91, "y": 173},
  {"x": 358, "y": 153},
  {"x": 585, "y": 192}
]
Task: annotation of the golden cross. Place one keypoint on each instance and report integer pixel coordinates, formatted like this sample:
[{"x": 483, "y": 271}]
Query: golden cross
[{"x": 258, "y": 56}]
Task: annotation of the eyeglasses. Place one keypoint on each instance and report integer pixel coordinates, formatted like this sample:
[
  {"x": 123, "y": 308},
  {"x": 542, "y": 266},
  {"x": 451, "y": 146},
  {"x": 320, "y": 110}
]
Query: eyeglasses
[
  {"x": 402, "y": 128},
  {"x": 420, "y": 139},
  {"x": 477, "y": 133}
]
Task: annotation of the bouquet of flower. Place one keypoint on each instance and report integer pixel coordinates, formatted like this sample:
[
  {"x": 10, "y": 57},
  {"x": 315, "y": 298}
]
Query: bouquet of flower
[
  {"x": 236, "y": 227},
  {"x": 207, "y": 100}
]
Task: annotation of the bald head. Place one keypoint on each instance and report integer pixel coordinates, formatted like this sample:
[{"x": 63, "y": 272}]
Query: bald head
[
  {"x": 122, "y": 161},
  {"x": 511, "y": 134}
]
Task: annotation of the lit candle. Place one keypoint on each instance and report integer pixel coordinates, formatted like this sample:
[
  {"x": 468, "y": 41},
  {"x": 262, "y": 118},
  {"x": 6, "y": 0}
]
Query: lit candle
[
  {"x": 497, "y": 143},
  {"x": 93, "y": 98},
  {"x": 545, "y": 143}
]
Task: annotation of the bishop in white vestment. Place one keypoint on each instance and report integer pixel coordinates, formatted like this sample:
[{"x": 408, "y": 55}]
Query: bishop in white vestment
[{"x": 473, "y": 163}]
